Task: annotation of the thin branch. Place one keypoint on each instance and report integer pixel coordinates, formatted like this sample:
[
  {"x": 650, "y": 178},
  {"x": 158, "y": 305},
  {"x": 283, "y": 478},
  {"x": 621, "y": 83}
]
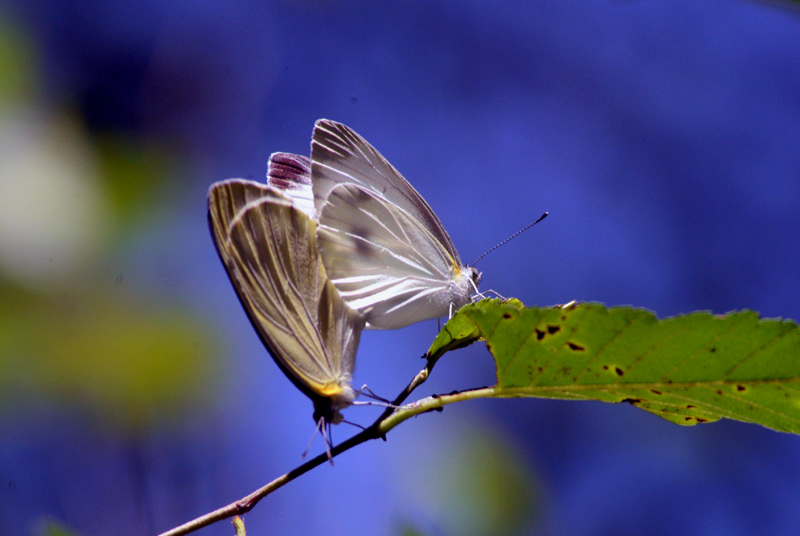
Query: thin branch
[
  {"x": 376, "y": 430},
  {"x": 433, "y": 403}
]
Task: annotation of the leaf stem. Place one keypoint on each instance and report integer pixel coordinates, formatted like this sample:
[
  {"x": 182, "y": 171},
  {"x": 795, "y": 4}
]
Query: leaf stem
[{"x": 432, "y": 403}]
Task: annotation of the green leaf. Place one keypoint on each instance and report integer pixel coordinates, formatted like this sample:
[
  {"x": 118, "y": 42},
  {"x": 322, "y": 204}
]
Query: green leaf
[{"x": 687, "y": 369}]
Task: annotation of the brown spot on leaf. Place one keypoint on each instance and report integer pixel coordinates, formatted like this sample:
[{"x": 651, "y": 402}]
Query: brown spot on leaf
[
  {"x": 507, "y": 316},
  {"x": 552, "y": 330},
  {"x": 633, "y": 401},
  {"x": 531, "y": 372},
  {"x": 700, "y": 419},
  {"x": 575, "y": 347},
  {"x": 690, "y": 406},
  {"x": 655, "y": 392},
  {"x": 619, "y": 371},
  {"x": 539, "y": 334},
  {"x": 719, "y": 392},
  {"x": 712, "y": 349},
  {"x": 741, "y": 388}
]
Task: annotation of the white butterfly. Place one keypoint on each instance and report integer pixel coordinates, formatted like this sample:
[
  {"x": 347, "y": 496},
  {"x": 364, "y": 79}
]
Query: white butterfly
[
  {"x": 269, "y": 249},
  {"x": 382, "y": 245}
]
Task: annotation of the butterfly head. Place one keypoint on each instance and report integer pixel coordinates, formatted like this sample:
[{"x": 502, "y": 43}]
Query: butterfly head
[
  {"x": 473, "y": 279},
  {"x": 328, "y": 408},
  {"x": 475, "y": 276}
]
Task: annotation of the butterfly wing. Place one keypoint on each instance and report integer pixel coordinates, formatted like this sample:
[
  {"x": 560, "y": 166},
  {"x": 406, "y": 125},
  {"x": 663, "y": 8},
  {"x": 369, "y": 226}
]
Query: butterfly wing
[
  {"x": 383, "y": 246},
  {"x": 291, "y": 174},
  {"x": 340, "y": 156},
  {"x": 269, "y": 250},
  {"x": 384, "y": 262}
]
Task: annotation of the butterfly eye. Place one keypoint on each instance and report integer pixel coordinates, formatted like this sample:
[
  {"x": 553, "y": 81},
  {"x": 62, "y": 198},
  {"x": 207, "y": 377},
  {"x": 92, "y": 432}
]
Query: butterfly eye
[{"x": 476, "y": 276}]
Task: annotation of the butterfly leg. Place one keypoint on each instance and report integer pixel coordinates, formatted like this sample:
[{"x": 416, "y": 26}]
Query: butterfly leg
[{"x": 483, "y": 295}]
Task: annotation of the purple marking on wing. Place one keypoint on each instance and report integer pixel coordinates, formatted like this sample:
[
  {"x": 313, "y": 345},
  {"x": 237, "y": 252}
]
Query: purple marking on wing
[{"x": 289, "y": 171}]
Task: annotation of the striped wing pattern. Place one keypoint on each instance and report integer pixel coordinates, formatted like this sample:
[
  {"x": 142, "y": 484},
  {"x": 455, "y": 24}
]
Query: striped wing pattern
[
  {"x": 291, "y": 174},
  {"x": 269, "y": 249}
]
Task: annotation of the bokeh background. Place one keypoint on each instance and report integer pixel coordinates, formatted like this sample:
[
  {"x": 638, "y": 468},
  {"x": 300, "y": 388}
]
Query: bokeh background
[{"x": 662, "y": 137}]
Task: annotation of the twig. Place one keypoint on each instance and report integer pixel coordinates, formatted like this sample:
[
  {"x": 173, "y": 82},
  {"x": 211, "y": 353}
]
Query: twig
[{"x": 376, "y": 430}]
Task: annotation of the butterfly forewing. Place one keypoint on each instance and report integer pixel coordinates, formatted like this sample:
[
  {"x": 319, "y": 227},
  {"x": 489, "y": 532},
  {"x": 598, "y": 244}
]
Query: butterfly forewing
[
  {"x": 340, "y": 156},
  {"x": 270, "y": 251}
]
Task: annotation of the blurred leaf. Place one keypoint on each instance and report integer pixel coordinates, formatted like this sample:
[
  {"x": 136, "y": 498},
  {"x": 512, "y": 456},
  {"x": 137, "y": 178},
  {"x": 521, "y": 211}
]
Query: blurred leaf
[
  {"x": 17, "y": 64},
  {"x": 408, "y": 530},
  {"x": 136, "y": 172},
  {"x": 486, "y": 488},
  {"x": 54, "y": 528},
  {"x": 54, "y": 213},
  {"x": 687, "y": 369},
  {"x": 471, "y": 480},
  {"x": 125, "y": 362}
]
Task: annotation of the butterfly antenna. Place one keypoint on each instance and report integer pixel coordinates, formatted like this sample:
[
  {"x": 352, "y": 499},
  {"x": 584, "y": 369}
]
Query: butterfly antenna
[{"x": 510, "y": 238}]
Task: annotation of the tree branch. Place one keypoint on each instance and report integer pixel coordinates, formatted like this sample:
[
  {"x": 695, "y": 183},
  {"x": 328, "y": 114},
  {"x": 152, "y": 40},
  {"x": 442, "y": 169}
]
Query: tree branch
[{"x": 376, "y": 430}]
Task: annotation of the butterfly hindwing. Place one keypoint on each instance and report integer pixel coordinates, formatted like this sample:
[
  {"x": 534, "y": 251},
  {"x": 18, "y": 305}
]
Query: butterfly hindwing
[
  {"x": 384, "y": 262},
  {"x": 291, "y": 174}
]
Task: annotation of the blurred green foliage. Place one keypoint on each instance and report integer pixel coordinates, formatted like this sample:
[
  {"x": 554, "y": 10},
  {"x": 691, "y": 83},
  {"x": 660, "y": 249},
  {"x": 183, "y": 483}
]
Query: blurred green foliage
[
  {"x": 17, "y": 64},
  {"x": 54, "y": 528},
  {"x": 136, "y": 174},
  {"x": 125, "y": 357},
  {"x": 486, "y": 488},
  {"x": 471, "y": 480},
  {"x": 127, "y": 361}
]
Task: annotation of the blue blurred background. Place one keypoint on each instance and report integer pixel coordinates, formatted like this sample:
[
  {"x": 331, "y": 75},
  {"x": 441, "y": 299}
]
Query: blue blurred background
[{"x": 662, "y": 137}]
